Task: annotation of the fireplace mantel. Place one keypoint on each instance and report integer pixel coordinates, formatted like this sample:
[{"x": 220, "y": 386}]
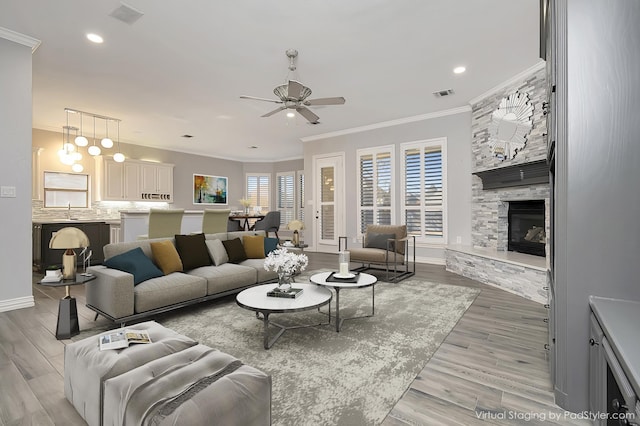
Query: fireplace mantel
[{"x": 533, "y": 173}]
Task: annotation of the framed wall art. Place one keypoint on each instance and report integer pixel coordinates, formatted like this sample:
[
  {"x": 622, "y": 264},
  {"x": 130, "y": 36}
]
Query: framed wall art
[{"x": 211, "y": 190}]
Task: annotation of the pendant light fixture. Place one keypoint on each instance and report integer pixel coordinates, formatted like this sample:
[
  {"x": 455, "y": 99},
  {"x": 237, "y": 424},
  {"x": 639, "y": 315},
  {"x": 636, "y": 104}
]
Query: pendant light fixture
[
  {"x": 94, "y": 149},
  {"x": 106, "y": 142},
  {"x": 70, "y": 152},
  {"x": 118, "y": 157},
  {"x": 81, "y": 140}
]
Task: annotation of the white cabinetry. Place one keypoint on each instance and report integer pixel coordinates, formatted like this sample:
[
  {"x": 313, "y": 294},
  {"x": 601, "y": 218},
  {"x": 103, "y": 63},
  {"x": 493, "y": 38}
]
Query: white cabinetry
[
  {"x": 137, "y": 181},
  {"x": 121, "y": 181},
  {"x": 156, "y": 181}
]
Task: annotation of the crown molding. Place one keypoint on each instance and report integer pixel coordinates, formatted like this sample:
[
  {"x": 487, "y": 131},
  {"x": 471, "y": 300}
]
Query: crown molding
[
  {"x": 390, "y": 123},
  {"x": 513, "y": 80},
  {"x": 20, "y": 38}
]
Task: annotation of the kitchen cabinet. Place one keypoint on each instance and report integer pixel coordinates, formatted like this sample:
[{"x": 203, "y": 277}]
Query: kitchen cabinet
[
  {"x": 156, "y": 181},
  {"x": 43, "y": 256},
  {"x": 136, "y": 181},
  {"x": 121, "y": 181}
]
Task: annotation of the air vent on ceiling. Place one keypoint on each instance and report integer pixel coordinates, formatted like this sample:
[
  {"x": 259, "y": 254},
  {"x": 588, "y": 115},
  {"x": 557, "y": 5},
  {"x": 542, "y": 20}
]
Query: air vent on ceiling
[
  {"x": 126, "y": 14},
  {"x": 441, "y": 93}
]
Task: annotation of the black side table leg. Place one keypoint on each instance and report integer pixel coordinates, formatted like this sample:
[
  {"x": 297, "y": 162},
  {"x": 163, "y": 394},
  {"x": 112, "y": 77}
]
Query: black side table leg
[{"x": 67, "y": 318}]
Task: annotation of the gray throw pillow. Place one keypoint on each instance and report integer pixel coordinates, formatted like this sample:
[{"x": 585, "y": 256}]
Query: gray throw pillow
[
  {"x": 217, "y": 251},
  {"x": 379, "y": 240}
]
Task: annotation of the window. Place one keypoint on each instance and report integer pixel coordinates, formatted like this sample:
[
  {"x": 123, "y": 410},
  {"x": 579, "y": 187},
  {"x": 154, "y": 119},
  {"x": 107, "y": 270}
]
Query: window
[
  {"x": 258, "y": 190},
  {"x": 285, "y": 204},
  {"x": 375, "y": 192},
  {"x": 424, "y": 189},
  {"x": 66, "y": 190}
]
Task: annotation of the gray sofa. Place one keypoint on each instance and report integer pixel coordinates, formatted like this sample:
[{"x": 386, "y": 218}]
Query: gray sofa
[{"x": 113, "y": 294}]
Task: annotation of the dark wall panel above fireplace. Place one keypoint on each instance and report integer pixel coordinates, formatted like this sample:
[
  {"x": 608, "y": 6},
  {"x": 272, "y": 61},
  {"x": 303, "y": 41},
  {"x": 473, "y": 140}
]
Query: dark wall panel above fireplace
[{"x": 519, "y": 175}]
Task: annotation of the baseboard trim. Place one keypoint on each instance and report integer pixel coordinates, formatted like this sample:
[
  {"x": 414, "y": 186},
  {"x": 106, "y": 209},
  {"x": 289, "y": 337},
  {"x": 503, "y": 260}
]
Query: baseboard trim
[
  {"x": 17, "y": 303},
  {"x": 431, "y": 260}
]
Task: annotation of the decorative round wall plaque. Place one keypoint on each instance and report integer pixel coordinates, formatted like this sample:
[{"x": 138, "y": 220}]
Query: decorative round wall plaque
[{"x": 510, "y": 125}]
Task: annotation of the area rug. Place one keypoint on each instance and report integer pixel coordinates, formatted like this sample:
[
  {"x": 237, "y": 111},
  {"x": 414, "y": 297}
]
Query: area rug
[{"x": 321, "y": 377}]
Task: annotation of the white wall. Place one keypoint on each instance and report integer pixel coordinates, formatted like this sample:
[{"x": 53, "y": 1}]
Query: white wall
[
  {"x": 456, "y": 127},
  {"x": 15, "y": 134}
]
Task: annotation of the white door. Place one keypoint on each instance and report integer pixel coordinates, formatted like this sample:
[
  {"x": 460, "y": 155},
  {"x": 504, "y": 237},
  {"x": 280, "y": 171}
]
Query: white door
[{"x": 328, "y": 202}]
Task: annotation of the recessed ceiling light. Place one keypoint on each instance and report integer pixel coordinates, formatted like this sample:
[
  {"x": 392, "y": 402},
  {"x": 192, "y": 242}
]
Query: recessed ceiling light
[
  {"x": 94, "y": 38},
  {"x": 252, "y": 147},
  {"x": 459, "y": 70},
  {"x": 291, "y": 114},
  {"x": 187, "y": 136}
]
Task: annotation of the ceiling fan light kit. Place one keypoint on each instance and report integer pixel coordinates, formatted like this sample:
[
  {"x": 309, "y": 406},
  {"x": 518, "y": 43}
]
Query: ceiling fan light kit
[{"x": 293, "y": 95}]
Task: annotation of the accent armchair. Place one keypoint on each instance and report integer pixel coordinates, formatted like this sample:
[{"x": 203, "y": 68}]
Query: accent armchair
[
  {"x": 270, "y": 222},
  {"x": 384, "y": 247}
]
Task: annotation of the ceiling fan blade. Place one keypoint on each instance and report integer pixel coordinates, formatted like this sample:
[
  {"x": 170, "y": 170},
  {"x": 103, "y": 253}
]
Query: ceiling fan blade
[
  {"x": 260, "y": 99},
  {"x": 308, "y": 114},
  {"x": 326, "y": 101},
  {"x": 275, "y": 111},
  {"x": 295, "y": 89}
]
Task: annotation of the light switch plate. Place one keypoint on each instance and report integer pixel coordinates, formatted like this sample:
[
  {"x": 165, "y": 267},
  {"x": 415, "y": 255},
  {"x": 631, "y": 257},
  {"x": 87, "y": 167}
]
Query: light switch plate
[{"x": 8, "y": 191}]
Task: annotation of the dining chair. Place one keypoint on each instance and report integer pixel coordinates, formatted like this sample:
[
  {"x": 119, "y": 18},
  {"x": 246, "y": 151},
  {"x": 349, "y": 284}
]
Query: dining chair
[
  {"x": 215, "y": 221},
  {"x": 163, "y": 223},
  {"x": 270, "y": 222}
]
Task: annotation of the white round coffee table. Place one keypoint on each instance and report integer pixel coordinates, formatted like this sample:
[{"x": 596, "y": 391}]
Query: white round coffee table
[
  {"x": 256, "y": 299},
  {"x": 364, "y": 280}
]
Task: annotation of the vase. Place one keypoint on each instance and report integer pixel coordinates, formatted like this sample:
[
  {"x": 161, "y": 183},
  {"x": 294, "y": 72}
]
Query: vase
[
  {"x": 246, "y": 210},
  {"x": 284, "y": 281}
]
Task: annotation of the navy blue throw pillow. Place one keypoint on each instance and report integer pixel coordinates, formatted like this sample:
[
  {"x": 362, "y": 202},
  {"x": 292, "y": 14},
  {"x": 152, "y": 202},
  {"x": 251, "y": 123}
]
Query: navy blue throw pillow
[
  {"x": 136, "y": 263},
  {"x": 270, "y": 244}
]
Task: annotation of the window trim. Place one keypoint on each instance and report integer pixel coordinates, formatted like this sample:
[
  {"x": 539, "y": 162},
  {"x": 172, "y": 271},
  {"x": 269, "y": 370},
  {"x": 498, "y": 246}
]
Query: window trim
[
  {"x": 440, "y": 142},
  {"x": 269, "y": 189},
  {"x": 282, "y": 210},
  {"x": 373, "y": 151}
]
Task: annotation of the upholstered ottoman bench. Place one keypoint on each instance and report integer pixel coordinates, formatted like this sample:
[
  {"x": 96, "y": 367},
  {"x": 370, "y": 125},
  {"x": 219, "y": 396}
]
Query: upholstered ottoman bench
[
  {"x": 86, "y": 368},
  {"x": 196, "y": 386}
]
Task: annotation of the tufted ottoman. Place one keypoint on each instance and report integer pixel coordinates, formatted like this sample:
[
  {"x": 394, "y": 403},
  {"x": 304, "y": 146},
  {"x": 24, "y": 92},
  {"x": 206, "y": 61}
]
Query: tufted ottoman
[{"x": 197, "y": 386}]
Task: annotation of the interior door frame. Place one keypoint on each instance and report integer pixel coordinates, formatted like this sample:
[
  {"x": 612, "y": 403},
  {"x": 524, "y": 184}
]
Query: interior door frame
[{"x": 339, "y": 198}]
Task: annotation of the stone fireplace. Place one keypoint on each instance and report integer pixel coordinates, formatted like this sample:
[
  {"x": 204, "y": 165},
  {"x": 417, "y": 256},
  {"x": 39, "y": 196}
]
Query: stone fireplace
[
  {"x": 503, "y": 189},
  {"x": 525, "y": 227}
]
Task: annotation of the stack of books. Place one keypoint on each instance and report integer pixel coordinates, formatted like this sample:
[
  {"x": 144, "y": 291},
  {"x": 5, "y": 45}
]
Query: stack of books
[
  {"x": 52, "y": 276},
  {"x": 292, "y": 293}
]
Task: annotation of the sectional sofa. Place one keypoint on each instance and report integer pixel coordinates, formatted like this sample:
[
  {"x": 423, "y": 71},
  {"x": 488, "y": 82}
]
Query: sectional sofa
[{"x": 143, "y": 278}]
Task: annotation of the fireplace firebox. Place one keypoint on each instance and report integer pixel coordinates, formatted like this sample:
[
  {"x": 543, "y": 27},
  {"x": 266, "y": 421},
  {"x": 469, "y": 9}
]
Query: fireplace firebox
[{"x": 526, "y": 227}]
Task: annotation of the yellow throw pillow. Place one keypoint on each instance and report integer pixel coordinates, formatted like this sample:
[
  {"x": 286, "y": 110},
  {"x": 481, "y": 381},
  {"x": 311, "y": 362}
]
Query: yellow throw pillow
[
  {"x": 166, "y": 256},
  {"x": 253, "y": 246}
]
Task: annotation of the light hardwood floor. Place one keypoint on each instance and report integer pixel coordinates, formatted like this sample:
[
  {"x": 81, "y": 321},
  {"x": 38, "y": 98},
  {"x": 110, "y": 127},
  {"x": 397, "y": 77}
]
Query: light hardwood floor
[{"x": 491, "y": 369}]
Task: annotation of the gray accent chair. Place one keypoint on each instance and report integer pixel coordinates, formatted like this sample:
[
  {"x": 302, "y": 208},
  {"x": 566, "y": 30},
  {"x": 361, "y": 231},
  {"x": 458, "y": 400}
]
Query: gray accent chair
[
  {"x": 163, "y": 223},
  {"x": 215, "y": 221},
  {"x": 270, "y": 222},
  {"x": 384, "y": 247}
]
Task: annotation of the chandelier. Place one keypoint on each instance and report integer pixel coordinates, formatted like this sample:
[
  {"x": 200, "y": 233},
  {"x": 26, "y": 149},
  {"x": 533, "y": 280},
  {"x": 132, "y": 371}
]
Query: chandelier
[{"x": 70, "y": 152}]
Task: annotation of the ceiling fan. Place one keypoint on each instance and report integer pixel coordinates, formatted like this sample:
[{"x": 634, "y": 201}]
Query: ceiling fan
[{"x": 293, "y": 95}]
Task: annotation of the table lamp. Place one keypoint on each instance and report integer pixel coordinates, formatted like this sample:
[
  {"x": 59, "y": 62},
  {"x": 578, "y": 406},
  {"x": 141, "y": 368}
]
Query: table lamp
[{"x": 69, "y": 238}]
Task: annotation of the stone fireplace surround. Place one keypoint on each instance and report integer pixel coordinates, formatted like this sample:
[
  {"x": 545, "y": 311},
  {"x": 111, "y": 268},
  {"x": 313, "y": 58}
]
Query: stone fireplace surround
[{"x": 487, "y": 259}]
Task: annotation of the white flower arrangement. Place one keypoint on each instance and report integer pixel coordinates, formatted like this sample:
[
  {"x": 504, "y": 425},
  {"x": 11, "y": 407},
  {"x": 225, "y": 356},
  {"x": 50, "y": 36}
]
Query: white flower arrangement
[
  {"x": 284, "y": 262},
  {"x": 245, "y": 202}
]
